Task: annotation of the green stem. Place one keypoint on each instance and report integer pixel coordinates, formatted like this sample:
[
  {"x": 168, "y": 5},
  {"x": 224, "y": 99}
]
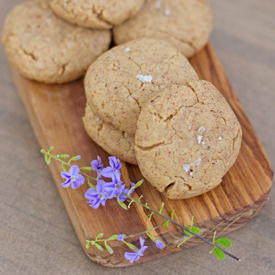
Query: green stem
[
  {"x": 181, "y": 226},
  {"x": 68, "y": 164},
  {"x": 213, "y": 244}
]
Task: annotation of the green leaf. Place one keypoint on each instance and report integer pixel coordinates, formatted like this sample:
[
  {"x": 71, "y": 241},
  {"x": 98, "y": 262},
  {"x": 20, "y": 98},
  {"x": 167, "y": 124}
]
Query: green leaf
[
  {"x": 99, "y": 247},
  {"x": 88, "y": 169},
  {"x": 112, "y": 238},
  {"x": 219, "y": 253},
  {"x": 187, "y": 233},
  {"x": 195, "y": 230},
  {"x": 152, "y": 238},
  {"x": 64, "y": 156},
  {"x": 161, "y": 207},
  {"x": 75, "y": 158},
  {"x": 90, "y": 184},
  {"x": 99, "y": 236},
  {"x": 138, "y": 184},
  {"x": 51, "y": 149},
  {"x": 224, "y": 242},
  {"x": 87, "y": 244},
  {"x": 47, "y": 159},
  {"x": 108, "y": 248},
  {"x": 166, "y": 223},
  {"x": 131, "y": 246},
  {"x": 173, "y": 214},
  {"x": 122, "y": 204}
]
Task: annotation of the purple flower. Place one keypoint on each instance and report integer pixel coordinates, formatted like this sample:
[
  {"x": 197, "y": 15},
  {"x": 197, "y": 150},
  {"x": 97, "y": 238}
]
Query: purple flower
[
  {"x": 97, "y": 165},
  {"x": 134, "y": 256},
  {"x": 123, "y": 190},
  {"x": 121, "y": 237},
  {"x": 159, "y": 244},
  {"x": 103, "y": 192},
  {"x": 73, "y": 178},
  {"x": 113, "y": 171}
]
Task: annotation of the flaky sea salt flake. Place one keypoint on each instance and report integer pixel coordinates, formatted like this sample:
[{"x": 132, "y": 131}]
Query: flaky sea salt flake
[{"x": 144, "y": 78}]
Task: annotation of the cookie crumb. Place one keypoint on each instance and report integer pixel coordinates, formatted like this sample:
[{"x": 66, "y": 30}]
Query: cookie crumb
[
  {"x": 144, "y": 78},
  {"x": 189, "y": 128}
]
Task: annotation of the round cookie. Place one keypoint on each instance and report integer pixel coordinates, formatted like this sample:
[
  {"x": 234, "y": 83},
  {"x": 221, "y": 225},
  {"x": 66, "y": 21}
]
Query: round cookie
[
  {"x": 187, "y": 138},
  {"x": 99, "y": 14},
  {"x": 115, "y": 142},
  {"x": 48, "y": 49},
  {"x": 186, "y": 24},
  {"x": 123, "y": 79}
]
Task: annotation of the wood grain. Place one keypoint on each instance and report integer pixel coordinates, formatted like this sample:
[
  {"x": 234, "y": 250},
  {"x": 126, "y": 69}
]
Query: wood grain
[{"x": 55, "y": 112}]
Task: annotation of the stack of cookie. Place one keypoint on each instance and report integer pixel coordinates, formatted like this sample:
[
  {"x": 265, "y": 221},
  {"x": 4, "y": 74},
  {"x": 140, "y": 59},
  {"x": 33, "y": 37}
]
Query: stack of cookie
[
  {"x": 146, "y": 105},
  {"x": 42, "y": 41},
  {"x": 55, "y": 41}
]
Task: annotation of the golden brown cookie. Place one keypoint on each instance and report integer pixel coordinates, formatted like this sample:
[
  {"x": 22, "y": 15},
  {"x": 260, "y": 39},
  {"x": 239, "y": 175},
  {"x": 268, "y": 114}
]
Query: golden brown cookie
[
  {"x": 187, "y": 139},
  {"x": 99, "y": 14},
  {"x": 48, "y": 49},
  {"x": 113, "y": 141},
  {"x": 186, "y": 24},
  {"x": 123, "y": 79}
]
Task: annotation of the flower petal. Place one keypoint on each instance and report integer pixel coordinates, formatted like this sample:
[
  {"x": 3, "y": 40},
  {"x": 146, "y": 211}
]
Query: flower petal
[
  {"x": 65, "y": 175},
  {"x": 141, "y": 240},
  {"x": 108, "y": 172},
  {"x": 80, "y": 179},
  {"x": 66, "y": 184},
  {"x": 74, "y": 170},
  {"x": 131, "y": 257},
  {"x": 75, "y": 184},
  {"x": 90, "y": 193}
]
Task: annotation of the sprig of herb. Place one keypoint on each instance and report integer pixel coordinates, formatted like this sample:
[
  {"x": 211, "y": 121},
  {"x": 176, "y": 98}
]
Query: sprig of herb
[{"x": 110, "y": 186}]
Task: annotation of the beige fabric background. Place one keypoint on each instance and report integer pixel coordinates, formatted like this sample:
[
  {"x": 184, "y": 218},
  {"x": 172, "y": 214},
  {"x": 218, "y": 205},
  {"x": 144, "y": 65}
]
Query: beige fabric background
[{"x": 36, "y": 236}]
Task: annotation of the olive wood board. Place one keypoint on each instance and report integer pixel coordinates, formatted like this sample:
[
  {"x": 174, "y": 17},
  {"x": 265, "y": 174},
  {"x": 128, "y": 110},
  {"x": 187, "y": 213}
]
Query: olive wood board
[{"x": 56, "y": 112}]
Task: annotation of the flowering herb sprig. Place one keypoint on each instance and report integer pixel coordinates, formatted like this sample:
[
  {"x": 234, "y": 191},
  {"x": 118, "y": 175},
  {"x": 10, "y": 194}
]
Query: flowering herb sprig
[{"x": 110, "y": 186}]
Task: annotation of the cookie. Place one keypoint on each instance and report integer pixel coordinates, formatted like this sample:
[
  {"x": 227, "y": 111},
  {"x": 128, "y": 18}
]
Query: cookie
[
  {"x": 123, "y": 79},
  {"x": 113, "y": 141},
  {"x": 187, "y": 138},
  {"x": 99, "y": 14},
  {"x": 45, "y": 48},
  {"x": 186, "y": 24}
]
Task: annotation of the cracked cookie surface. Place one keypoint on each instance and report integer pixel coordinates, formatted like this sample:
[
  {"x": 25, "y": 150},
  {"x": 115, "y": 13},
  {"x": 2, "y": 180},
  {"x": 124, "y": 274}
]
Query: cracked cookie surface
[
  {"x": 121, "y": 81},
  {"x": 187, "y": 139},
  {"x": 186, "y": 24},
  {"x": 45, "y": 48},
  {"x": 113, "y": 141},
  {"x": 99, "y": 14}
]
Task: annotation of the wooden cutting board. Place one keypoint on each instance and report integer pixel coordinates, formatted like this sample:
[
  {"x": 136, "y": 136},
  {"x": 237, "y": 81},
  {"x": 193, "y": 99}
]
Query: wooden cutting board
[{"x": 55, "y": 112}]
